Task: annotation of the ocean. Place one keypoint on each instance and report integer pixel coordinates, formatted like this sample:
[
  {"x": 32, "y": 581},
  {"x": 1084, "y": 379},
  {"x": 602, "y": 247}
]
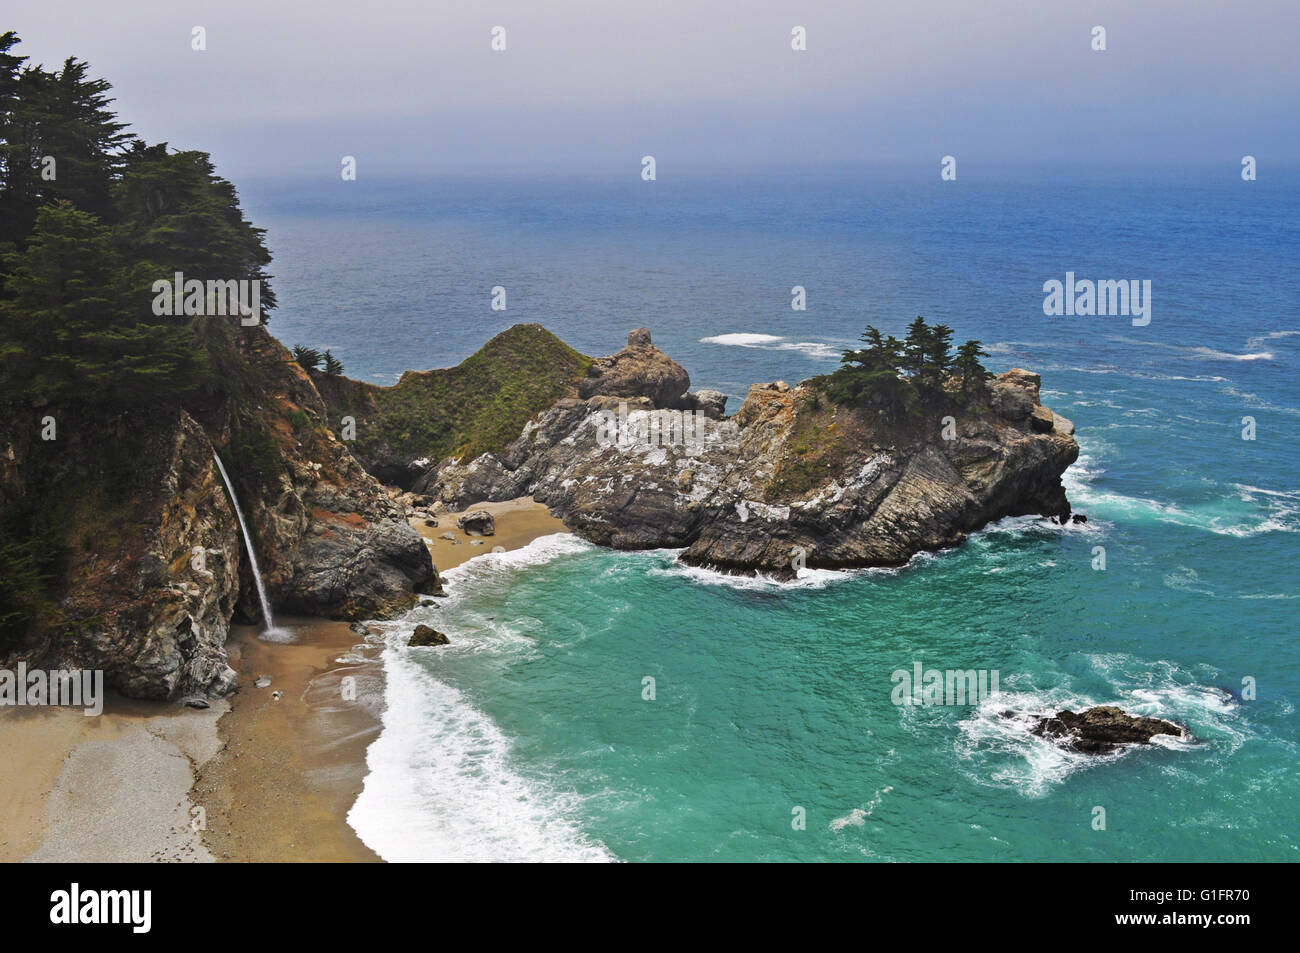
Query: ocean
[{"x": 596, "y": 705}]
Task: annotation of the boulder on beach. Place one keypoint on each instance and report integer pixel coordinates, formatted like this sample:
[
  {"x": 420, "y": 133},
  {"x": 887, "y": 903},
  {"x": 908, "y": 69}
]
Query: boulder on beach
[
  {"x": 1102, "y": 729},
  {"x": 426, "y": 635},
  {"x": 477, "y": 523}
]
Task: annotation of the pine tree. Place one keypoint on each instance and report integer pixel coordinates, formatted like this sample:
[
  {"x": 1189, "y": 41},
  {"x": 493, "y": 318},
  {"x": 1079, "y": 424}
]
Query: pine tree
[
  {"x": 74, "y": 329},
  {"x": 332, "y": 364},
  {"x": 871, "y": 375},
  {"x": 177, "y": 214},
  {"x": 59, "y": 140},
  {"x": 916, "y": 348},
  {"x": 307, "y": 357},
  {"x": 968, "y": 366}
]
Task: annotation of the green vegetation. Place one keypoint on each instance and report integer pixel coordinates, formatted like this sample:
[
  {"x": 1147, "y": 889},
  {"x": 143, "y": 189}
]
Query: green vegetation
[
  {"x": 900, "y": 377},
  {"x": 313, "y": 360},
  {"x": 479, "y": 406},
  {"x": 254, "y": 454},
  {"x": 91, "y": 217},
  {"x": 307, "y": 357}
]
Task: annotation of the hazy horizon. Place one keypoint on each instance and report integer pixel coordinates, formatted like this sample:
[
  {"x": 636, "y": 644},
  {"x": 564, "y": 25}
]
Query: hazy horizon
[{"x": 585, "y": 88}]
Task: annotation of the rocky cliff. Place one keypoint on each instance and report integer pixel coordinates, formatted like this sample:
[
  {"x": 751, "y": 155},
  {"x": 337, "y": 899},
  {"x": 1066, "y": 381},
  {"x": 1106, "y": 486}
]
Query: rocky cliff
[
  {"x": 791, "y": 479},
  {"x": 149, "y": 565}
]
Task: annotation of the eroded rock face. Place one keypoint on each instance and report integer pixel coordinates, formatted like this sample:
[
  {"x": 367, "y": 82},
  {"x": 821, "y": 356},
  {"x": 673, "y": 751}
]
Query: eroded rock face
[
  {"x": 151, "y": 580},
  {"x": 639, "y": 370},
  {"x": 155, "y": 571},
  {"x": 331, "y": 541},
  {"x": 787, "y": 480},
  {"x": 1102, "y": 729}
]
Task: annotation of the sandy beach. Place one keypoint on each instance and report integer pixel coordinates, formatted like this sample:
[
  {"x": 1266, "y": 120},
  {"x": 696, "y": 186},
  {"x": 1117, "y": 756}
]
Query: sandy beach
[
  {"x": 113, "y": 787},
  {"x": 268, "y": 774},
  {"x": 518, "y": 523}
]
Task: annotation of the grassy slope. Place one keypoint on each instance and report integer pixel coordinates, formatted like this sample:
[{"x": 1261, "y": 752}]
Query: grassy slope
[{"x": 479, "y": 405}]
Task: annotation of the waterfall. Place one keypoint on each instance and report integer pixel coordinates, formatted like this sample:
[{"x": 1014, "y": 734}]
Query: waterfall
[{"x": 252, "y": 556}]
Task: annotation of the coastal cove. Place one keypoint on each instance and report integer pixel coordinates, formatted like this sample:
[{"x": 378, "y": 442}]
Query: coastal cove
[
  {"x": 627, "y": 703},
  {"x": 542, "y": 434}
]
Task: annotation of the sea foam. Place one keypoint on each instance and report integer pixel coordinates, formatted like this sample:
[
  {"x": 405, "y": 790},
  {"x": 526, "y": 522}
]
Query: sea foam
[{"x": 442, "y": 782}]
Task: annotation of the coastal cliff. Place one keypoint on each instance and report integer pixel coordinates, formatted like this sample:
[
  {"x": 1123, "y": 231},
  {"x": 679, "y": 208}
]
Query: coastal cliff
[
  {"x": 147, "y": 567},
  {"x": 793, "y": 478}
]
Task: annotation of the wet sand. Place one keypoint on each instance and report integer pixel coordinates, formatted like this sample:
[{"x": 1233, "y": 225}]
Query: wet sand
[
  {"x": 290, "y": 767},
  {"x": 290, "y": 770}
]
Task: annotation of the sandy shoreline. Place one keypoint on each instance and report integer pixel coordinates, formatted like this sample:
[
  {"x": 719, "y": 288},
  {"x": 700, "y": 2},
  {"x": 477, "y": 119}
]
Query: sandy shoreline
[
  {"x": 254, "y": 777},
  {"x": 518, "y": 523}
]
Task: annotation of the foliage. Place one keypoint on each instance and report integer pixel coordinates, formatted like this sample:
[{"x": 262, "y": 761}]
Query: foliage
[
  {"x": 307, "y": 357},
  {"x": 898, "y": 377},
  {"x": 478, "y": 406},
  {"x": 91, "y": 218}
]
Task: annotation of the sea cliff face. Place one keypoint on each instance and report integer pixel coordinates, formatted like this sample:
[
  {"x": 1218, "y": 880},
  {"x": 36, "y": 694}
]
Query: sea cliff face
[
  {"x": 152, "y": 567},
  {"x": 791, "y": 479},
  {"x": 331, "y": 541}
]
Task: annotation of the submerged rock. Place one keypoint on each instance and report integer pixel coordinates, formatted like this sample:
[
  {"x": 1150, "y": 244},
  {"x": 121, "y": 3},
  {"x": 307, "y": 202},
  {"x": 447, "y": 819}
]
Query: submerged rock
[{"x": 1102, "y": 729}]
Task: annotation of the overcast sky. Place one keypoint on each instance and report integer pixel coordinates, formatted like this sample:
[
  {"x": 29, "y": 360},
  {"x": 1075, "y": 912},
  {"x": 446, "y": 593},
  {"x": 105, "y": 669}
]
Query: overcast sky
[{"x": 414, "y": 86}]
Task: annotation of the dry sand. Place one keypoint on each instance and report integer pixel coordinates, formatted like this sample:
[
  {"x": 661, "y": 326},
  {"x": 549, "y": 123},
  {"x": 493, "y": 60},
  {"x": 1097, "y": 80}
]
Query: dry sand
[
  {"x": 518, "y": 523},
  {"x": 253, "y": 778}
]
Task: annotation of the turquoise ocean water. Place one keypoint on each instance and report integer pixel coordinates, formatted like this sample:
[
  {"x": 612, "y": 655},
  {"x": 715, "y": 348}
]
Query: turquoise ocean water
[{"x": 530, "y": 736}]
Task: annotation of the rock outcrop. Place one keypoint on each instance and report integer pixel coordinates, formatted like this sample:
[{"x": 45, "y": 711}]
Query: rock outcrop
[
  {"x": 639, "y": 370},
  {"x": 427, "y": 635},
  {"x": 479, "y": 405},
  {"x": 791, "y": 479},
  {"x": 1102, "y": 729},
  {"x": 331, "y": 541}
]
